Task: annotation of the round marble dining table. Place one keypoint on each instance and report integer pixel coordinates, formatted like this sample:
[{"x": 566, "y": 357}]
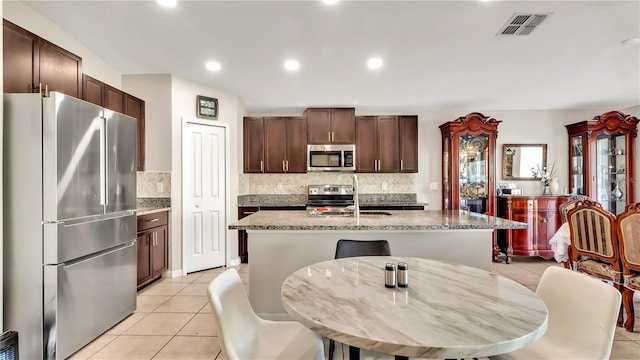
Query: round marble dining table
[{"x": 447, "y": 311}]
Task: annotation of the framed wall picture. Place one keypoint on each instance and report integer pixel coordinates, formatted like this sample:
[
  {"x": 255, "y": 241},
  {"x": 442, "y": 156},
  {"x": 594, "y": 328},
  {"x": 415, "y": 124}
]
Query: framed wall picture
[{"x": 206, "y": 107}]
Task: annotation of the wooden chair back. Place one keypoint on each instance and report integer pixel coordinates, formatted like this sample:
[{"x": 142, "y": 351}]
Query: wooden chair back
[
  {"x": 629, "y": 240},
  {"x": 594, "y": 238}
]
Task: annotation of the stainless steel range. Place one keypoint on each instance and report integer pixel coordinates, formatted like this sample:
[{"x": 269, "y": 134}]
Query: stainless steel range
[{"x": 330, "y": 200}]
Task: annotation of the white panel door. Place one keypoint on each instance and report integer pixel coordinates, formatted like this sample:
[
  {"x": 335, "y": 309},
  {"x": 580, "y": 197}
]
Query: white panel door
[{"x": 204, "y": 187}]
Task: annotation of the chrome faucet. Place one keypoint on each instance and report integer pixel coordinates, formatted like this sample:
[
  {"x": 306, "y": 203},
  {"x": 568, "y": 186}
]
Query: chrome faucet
[{"x": 356, "y": 203}]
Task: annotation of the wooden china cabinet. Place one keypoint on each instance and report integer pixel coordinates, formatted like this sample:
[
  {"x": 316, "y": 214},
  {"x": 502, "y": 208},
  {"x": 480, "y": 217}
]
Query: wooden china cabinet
[
  {"x": 602, "y": 159},
  {"x": 468, "y": 165}
]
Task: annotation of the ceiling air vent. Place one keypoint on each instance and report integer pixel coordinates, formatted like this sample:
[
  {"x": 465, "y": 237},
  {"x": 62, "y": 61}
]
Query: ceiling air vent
[{"x": 522, "y": 24}]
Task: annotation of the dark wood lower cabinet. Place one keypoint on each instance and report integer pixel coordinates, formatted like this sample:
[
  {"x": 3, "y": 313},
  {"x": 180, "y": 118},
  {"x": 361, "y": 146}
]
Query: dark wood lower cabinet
[
  {"x": 541, "y": 213},
  {"x": 153, "y": 240}
]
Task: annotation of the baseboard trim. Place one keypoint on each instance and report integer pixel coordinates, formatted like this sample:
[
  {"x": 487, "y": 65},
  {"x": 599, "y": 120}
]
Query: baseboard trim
[
  {"x": 234, "y": 262},
  {"x": 173, "y": 274}
]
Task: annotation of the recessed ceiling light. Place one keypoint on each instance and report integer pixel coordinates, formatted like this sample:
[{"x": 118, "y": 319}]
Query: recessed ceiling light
[
  {"x": 167, "y": 3},
  {"x": 213, "y": 66},
  {"x": 330, "y": 2},
  {"x": 374, "y": 63},
  {"x": 630, "y": 42},
  {"x": 291, "y": 65}
]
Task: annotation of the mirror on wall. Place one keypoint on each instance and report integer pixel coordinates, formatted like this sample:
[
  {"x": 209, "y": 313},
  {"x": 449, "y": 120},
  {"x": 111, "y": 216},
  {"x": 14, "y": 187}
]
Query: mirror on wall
[{"x": 522, "y": 161}]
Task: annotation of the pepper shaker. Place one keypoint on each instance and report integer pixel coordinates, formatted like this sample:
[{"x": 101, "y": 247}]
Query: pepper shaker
[
  {"x": 403, "y": 274},
  {"x": 390, "y": 275}
]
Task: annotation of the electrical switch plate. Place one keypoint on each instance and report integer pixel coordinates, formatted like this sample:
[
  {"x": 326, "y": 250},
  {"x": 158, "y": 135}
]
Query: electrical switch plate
[
  {"x": 159, "y": 188},
  {"x": 433, "y": 186},
  {"x": 384, "y": 185}
]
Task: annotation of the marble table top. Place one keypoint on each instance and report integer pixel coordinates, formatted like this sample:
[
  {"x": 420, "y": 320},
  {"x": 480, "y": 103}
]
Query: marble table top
[
  {"x": 448, "y": 310},
  {"x": 398, "y": 220}
]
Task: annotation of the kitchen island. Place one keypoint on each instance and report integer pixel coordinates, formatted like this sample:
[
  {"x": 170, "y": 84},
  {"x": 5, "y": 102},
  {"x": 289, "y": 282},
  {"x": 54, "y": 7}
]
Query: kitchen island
[{"x": 281, "y": 242}]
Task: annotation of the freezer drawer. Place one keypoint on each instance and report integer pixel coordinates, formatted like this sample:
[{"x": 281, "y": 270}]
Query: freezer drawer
[
  {"x": 66, "y": 241},
  {"x": 85, "y": 298}
]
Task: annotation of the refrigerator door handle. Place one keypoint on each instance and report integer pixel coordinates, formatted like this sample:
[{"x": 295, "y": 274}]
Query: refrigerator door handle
[
  {"x": 103, "y": 161},
  {"x": 102, "y": 253}
]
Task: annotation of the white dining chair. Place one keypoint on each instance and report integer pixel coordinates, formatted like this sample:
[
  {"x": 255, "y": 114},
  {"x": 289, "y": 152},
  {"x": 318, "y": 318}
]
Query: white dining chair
[
  {"x": 244, "y": 335},
  {"x": 582, "y": 318}
]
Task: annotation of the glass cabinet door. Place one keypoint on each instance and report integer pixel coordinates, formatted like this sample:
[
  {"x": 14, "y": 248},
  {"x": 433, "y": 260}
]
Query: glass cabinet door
[
  {"x": 577, "y": 166},
  {"x": 611, "y": 167},
  {"x": 473, "y": 175},
  {"x": 446, "y": 188}
]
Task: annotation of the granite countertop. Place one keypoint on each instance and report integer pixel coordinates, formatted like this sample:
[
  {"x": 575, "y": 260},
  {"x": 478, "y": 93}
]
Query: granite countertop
[
  {"x": 398, "y": 220},
  {"x": 284, "y": 200},
  {"x": 151, "y": 210}
]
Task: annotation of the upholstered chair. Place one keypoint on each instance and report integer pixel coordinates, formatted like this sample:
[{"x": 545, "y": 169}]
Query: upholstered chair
[
  {"x": 594, "y": 246},
  {"x": 244, "y": 335},
  {"x": 582, "y": 318},
  {"x": 629, "y": 238}
]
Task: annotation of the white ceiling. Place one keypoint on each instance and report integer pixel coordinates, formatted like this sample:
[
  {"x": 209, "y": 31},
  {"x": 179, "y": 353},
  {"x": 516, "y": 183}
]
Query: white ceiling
[{"x": 437, "y": 54}]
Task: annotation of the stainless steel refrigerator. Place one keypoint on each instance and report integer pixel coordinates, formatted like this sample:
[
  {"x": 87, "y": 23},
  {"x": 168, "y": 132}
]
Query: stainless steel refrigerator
[{"x": 69, "y": 222}]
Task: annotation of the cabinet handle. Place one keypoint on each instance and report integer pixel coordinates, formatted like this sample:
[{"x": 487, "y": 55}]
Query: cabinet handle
[
  {"x": 287, "y": 165},
  {"x": 261, "y": 166},
  {"x": 154, "y": 220},
  {"x": 401, "y": 165},
  {"x": 329, "y": 134},
  {"x": 283, "y": 169}
]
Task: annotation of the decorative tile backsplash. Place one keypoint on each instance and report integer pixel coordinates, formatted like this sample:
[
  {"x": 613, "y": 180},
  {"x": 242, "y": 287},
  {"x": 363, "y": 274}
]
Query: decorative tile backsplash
[
  {"x": 297, "y": 183},
  {"x": 154, "y": 184}
]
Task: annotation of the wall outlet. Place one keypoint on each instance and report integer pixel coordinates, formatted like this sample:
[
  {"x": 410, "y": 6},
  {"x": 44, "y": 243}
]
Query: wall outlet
[
  {"x": 384, "y": 185},
  {"x": 160, "y": 188},
  {"x": 433, "y": 186}
]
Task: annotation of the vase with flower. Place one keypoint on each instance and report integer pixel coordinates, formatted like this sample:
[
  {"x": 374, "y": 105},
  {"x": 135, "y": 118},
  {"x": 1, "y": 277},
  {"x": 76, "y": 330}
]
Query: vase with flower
[{"x": 545, "y": 177}]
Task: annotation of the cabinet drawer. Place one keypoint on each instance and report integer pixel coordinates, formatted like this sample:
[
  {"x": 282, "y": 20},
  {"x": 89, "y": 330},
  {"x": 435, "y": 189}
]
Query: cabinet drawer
[{"x": 149, "y": 221}]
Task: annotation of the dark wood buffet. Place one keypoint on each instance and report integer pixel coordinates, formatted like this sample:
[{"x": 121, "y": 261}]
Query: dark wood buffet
[{"x": 541, "y": 213}]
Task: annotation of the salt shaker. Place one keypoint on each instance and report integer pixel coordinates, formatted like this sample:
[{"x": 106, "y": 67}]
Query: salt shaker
[
  {"x": 390, "y": 275},
  {"x": 403, "y": 274}
]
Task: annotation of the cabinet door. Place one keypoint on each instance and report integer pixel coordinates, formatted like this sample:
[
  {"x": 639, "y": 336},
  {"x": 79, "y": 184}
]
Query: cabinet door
[
  {"x": 253, "y": 144},
  {"x": 343, "y": 126},
  {"x": 366, "y": 154},
  {"x": 274, "y": 145},
  {"x": 408, "y": 126},
  {"x": 114, "y": 99},
  {"x": 523, "y": 239},
  {"x": 144, "y": 256},
  {"x": 547, "y": 222},
  {"x": 59, "y": 70},
  {"x": 159, "y": 250},
  {"x": 296, "y": 152},
  {"x": 319, "y": 126},
  {"x": 92, "y": 90},
  {"x": 135, "y": 107},
  {"x": 388, "y": 143},
  {"x": 19, "y": 49}
]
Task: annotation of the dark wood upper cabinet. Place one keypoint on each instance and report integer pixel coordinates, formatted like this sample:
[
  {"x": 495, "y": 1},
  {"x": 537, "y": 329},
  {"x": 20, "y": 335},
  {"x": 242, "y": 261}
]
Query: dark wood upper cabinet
[
  {"x": 115, "y": 99},
  {"x": 408, "y": 128},
  {"x": 285, "y": 141},
  {"x": 331, "y": 125},
  {"x": 377, "y": 144},
  {"x": 102, "y": 94},
  {"x": 92, "y": 90},
  {"x": 135, "y": 107},
  {"x": 20, "y": 47},
  {"x": 32, "y": 63},
  {"x": 253, "y": 144}
]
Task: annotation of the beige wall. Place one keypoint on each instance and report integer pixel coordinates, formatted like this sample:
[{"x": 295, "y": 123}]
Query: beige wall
[
  {"x": 1, "y": 196},
  {"x": 183, "y": 100},
  {"x": 155, "y": 90}
]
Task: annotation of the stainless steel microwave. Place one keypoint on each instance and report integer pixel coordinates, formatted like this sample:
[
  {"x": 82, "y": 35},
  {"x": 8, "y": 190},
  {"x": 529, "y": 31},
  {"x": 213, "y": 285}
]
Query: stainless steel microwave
[{"x": 331, "y": 157}]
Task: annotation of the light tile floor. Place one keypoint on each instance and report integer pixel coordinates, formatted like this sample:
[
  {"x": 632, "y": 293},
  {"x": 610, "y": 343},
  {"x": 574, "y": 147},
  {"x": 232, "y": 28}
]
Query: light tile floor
[{"x": 173, "y": 320}]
